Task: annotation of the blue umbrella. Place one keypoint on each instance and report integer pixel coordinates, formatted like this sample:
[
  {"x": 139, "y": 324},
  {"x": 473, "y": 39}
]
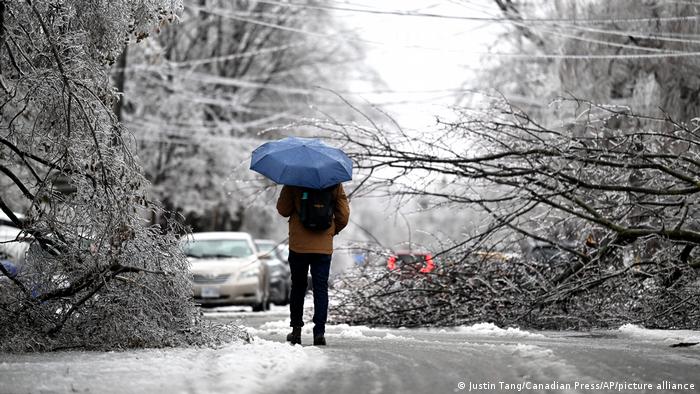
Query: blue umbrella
[{"x": 305, "y": 162}]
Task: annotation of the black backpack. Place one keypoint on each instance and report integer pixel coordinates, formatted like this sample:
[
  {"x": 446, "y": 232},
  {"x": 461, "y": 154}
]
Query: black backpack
[{"x": 317, "y": 207}]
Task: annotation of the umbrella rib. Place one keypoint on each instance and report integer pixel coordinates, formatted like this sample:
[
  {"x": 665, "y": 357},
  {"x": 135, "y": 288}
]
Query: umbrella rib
[{"x": 316, "y": 172}]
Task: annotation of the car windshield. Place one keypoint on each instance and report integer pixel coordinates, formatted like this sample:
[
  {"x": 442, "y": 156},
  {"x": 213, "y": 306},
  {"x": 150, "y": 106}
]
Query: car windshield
[
  {"x": 218, "y": 248},
  {"x": 265, "y": 246}
]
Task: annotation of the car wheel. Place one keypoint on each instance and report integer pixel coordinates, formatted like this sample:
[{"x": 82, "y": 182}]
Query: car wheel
[
  {"x": 278, "y": 298},
  {"x": 262, "y": 298},
  {"x": 287, "y": 295},
  {"x": 266, "y": 297},
  {"x": 264, "y": 304}
]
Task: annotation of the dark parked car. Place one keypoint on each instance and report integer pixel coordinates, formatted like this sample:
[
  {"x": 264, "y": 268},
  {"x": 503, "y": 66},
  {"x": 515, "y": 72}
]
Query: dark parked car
[
  {"x": 272, "y": 254},
  {"x": 411, "y": 262}
]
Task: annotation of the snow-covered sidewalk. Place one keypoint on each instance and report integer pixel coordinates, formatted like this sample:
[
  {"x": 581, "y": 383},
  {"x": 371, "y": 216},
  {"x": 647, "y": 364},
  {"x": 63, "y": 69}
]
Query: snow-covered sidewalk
[{"x": 261, "y": 366}]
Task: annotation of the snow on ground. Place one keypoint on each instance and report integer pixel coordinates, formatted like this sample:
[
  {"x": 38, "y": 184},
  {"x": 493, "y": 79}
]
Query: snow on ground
[
  {"x": 491, "y": 330},
  {"x": 237, "y": 312},
  {"x": 280, "y": 327},
  {"x": 239, "y": 368},
  {"x": 267, "y": 366},
  {"x": 543, "y": 364},
  {"x": 666, "y": 336}
]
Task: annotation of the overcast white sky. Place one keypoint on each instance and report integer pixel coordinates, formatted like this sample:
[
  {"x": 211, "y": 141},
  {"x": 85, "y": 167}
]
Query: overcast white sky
[{"x": 423, "y": 59}]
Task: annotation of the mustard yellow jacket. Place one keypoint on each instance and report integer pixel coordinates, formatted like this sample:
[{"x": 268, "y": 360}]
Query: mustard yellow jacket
[{"x": 302, "y": 240}]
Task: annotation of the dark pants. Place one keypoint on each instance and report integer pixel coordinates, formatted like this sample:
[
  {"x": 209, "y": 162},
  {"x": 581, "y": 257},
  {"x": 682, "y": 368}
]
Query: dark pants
[{"x": 299, "y": 264}]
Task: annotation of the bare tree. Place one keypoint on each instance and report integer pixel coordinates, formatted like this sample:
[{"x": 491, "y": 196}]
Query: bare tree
[
  {"x": 615, "y": 192},
  {"x": 95, "y": 275},
  {"x": 625, "y": 52},
  {"x": 200, "y": 96}
]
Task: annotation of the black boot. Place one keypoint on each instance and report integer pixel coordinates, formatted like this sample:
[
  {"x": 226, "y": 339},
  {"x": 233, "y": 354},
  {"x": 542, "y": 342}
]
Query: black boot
[
  {"x": 295, "y": 336},
  {"x": 320, "y": 341}
]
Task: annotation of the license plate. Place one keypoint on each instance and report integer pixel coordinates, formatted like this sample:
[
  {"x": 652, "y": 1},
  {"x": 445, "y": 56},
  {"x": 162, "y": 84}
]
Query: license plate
[{"x": 210, "y": 292}]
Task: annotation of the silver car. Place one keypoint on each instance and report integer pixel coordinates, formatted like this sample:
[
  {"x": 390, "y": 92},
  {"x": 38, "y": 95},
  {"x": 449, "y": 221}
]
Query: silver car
[{"x": 226, "y": 270}]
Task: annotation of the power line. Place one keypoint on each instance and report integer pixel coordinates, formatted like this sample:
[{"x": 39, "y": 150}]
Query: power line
[
  {"x": 247, "y": 83},
  {"x": 608, "y": 43},
  {"x": 476, "y": 18},
  {"x": 242, "y": 83},
  {"x": 667, "y": 54},
  {"x": 233, "y": 15},
  {"x": 214, "y": 59},
  {"x": 659, "y": 36},
  {"x": 635, "y": 34},
  {"x": 573, "y": 26}
]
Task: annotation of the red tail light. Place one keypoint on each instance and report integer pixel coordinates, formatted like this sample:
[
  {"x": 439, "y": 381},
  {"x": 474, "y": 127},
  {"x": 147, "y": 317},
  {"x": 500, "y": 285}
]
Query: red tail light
[
  {"x": 429, "y": 264},
  {"x": 391, "y": 263}
]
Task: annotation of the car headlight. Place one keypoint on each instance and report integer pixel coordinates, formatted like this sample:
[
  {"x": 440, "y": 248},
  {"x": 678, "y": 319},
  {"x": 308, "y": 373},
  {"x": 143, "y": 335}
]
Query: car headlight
[{"x": 248, "y": 273}]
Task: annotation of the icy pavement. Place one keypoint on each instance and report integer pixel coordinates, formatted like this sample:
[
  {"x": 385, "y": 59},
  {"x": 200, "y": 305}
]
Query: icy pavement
[
  {"x": 481, "y": 357},
  {"x": 236, "y": 368},
  {"x": 487, "y": 358}
]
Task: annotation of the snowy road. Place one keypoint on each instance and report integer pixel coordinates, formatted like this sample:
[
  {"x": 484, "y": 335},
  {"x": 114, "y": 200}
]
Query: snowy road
[
  {"x": 482, "y": 357},
  {"x": 486, "y": 358}
]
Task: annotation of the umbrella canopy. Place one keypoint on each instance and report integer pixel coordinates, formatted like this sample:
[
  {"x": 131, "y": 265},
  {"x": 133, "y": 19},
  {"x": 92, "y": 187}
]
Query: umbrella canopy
[{"x": 305, "y": 162}]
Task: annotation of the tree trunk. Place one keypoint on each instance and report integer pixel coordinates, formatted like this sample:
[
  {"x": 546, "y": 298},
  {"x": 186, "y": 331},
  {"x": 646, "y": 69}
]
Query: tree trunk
[{"x": 119, "y": 80}]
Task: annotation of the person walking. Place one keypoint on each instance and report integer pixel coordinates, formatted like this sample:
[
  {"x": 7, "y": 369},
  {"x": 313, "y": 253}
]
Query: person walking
[{"x": 311, "y": 248}]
